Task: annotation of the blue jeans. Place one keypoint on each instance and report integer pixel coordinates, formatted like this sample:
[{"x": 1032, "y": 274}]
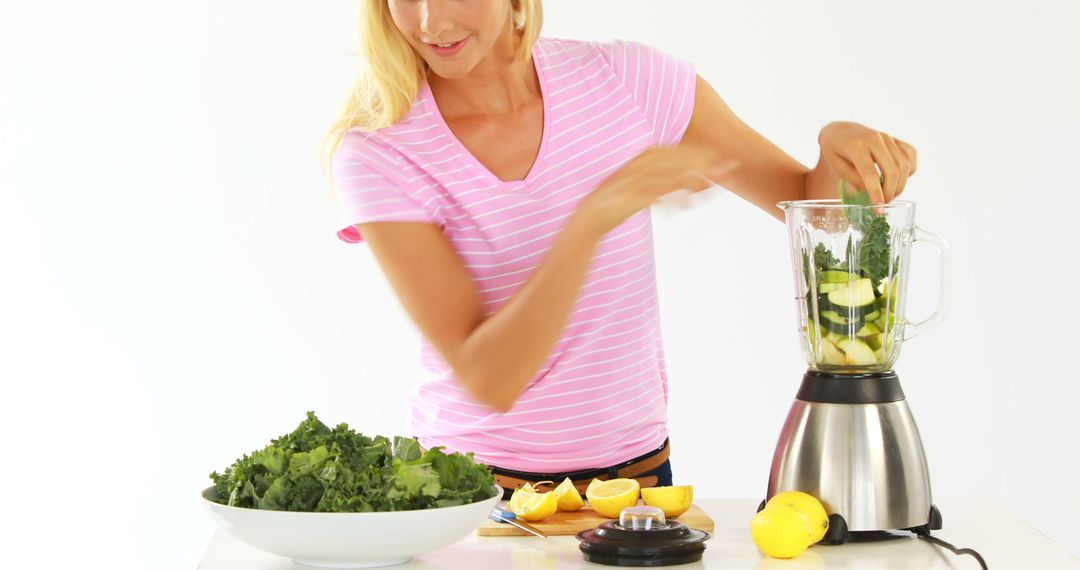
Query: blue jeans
[{"x": 662, "y": 472}]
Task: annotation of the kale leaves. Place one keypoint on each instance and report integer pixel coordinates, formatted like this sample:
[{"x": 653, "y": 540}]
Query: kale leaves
[
  {"x": 873, "y": 247},
  {"x": 319, "y": 469}
]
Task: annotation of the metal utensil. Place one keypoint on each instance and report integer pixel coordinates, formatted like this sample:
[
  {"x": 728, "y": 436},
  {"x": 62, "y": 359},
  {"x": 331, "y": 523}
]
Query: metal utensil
[{"x": 505, "y": 516}]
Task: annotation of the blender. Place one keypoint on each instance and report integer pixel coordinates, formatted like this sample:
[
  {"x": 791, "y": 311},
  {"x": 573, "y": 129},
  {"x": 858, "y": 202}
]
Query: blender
[{"x": 850, "y": 439}]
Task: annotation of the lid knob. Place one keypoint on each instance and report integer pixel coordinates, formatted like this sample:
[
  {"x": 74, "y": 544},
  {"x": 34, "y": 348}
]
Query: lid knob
[{"x": 642, "y": 518}]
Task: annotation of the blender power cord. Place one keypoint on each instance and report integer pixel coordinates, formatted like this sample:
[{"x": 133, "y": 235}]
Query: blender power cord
[{"x": 925, "y": 535}]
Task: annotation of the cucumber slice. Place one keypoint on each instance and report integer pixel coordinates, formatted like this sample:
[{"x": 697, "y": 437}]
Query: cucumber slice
[
  {"x": 838, "y": 276},
  {"x": 830, "y": 287},
  {"x": 859, "y": 294},
  {"x": 881, "y": 343},
  {"x": 812, "y": 332},
  {"x": 872, "y": 316},
  {"x": 857, "y": 352},
  {"x": 824, "y": 304},
  {"x": 869, "y": 329},
  {"x": 834, "y": 322},
  {"x": 885, "y": 321},
  {"x": 886, "y": 293},
  {"x": 887, "y": 302}
]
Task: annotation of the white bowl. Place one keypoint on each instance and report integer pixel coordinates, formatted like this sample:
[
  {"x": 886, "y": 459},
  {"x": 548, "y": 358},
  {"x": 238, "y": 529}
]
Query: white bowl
[{"x": 351, "y": 540}]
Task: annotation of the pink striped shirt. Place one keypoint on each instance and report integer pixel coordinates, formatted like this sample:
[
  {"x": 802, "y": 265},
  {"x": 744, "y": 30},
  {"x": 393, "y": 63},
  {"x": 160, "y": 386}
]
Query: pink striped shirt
[{"x": 601, "y": 396}]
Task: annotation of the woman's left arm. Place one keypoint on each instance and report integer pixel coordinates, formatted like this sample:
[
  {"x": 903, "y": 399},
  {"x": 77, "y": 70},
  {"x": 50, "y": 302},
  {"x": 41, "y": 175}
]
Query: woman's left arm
[{"x": 766, "y": 175}]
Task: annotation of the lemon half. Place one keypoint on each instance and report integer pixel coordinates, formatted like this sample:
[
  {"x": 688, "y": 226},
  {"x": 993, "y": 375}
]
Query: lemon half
[
  {"x": 674, "y": 501},
  {"x": 609, "y": 498}
]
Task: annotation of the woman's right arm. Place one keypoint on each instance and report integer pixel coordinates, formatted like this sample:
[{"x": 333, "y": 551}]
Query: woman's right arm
[{"x": 495, "y": 357}]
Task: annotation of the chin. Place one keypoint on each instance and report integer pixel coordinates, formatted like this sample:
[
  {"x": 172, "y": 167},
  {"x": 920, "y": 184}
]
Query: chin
[{"x": 450, "y": 71}]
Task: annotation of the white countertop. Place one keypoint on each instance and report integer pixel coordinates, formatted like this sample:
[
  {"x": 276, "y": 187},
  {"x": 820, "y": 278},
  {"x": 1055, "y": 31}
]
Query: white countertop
[{"x": 1004, "y": 541}]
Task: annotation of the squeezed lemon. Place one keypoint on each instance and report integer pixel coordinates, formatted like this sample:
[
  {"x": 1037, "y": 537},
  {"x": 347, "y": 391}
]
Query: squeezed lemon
[
  {"x": 529, "y": 505},
  {"x": 519, "y": 500},
  {"x": 567, "y": 496}
]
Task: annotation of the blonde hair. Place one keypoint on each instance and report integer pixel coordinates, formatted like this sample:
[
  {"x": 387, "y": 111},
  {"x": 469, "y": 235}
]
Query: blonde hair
[{"x": 386, "y": 89}]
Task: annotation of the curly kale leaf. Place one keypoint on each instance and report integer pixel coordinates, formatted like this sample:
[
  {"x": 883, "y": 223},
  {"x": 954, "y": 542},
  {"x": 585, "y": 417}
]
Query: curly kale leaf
[
  {"x": 824, "y": 259},
  {"x": 873, "y": 246},
  {"x": 315, "y": 468}
]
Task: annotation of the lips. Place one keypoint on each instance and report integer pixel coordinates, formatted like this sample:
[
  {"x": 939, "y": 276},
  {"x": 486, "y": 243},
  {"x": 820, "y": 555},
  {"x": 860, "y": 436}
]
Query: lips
[{"x": 447, "y": 49}]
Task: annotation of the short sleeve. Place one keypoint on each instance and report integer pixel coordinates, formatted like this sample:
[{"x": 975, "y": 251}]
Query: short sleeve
[
  {"x": 662, "y": 85},
  {"x": 370, "y": 188}
]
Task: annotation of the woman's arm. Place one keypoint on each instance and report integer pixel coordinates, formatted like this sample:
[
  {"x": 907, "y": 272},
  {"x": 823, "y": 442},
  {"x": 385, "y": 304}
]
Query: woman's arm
[
  {"x": 767, "y": 175},
  {"x": 494, "y": 357}
]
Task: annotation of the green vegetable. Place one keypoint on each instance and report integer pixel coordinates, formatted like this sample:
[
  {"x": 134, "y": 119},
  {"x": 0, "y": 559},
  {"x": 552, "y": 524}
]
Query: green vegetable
[
  {"x": 855, "y": 303},
  {"x": 824, "y": 259},
  {"x": 319, "y": 469},
  {"x": 874, "y": 245}
]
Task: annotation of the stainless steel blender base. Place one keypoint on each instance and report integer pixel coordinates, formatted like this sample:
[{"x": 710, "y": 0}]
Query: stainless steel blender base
[{"x": 853, "y": 444}]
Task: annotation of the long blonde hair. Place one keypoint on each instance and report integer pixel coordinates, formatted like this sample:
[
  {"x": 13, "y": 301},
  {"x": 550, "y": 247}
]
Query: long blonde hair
[{"x": 385, "y": 90}]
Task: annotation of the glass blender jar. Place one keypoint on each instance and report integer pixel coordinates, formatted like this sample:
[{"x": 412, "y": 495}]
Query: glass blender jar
[
  {"x": 850, "y": 439},
  {"x": 851, "y": 272}
]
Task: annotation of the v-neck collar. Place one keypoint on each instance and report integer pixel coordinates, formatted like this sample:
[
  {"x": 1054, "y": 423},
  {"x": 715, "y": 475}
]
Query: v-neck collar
[{"x": 429, "y": 100}]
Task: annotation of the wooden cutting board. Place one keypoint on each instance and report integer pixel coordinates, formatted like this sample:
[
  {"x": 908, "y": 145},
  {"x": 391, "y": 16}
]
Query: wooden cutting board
[{"x": 570, "y": 523}]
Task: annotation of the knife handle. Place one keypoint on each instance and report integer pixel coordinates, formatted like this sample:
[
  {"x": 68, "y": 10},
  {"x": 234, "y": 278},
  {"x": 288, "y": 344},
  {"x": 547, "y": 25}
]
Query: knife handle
[
  {"x": 508, "y": 517},
  {"x": 502, "y": 515}
]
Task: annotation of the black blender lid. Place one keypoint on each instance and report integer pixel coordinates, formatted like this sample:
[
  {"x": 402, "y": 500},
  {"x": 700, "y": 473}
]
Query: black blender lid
[{"x": 664, "y": 543}]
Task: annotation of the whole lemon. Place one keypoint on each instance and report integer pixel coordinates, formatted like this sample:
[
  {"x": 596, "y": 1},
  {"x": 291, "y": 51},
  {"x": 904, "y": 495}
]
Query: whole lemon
[
  {"x": 781, "y": 531},
  {"x": 808, "y": 505}
]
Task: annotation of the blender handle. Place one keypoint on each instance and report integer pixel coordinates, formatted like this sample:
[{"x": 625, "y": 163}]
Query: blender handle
[{"x": 911, "y": 330}]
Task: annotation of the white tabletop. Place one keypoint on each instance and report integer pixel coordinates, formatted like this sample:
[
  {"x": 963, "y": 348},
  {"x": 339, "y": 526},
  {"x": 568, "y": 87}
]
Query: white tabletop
[{"x": 983, "y": 524}]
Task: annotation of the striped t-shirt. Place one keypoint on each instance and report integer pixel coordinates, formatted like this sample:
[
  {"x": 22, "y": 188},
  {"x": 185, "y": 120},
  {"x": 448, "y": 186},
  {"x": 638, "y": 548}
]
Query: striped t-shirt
[{"x": 601, "y": 396}]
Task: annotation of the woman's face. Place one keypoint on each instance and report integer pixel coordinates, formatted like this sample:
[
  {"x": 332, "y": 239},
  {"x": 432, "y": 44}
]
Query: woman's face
[{"x": 453, "y": 36}]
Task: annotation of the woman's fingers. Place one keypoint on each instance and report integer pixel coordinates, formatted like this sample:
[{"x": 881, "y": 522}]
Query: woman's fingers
[
  {"x": 887, "y": 164},
  {"x": 911, "y": 154},
  {"x": 870, "y": 178},
  {"x": 903, "y": 165},
  {"x": 844, "y": 168},
  {"x": 870, "y": 160}
]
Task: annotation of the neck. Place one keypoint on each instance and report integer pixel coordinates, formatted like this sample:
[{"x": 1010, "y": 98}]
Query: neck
[{"x": 499, "y": 84}]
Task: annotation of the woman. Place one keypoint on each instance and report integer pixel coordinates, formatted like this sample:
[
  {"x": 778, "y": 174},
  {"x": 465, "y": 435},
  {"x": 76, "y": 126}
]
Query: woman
[{"x": 503, "y": 183}]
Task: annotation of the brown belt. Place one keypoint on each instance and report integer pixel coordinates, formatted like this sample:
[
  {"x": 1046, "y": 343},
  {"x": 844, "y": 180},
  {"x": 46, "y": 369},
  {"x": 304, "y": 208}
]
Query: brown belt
[{"x": 632, "y": 469}]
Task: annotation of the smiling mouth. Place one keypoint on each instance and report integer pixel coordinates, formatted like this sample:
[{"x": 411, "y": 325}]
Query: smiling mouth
[{"x": 447, "y": 49}]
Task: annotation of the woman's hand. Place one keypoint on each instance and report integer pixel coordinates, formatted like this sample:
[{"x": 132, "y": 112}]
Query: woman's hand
[
  {"x": 871, "y": 160},
  {"x": 648, "y": 177}
]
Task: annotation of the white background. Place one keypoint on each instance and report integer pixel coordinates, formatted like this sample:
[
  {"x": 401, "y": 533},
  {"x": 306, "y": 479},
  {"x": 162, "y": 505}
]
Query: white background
[{"x": 172, "y": 294}]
